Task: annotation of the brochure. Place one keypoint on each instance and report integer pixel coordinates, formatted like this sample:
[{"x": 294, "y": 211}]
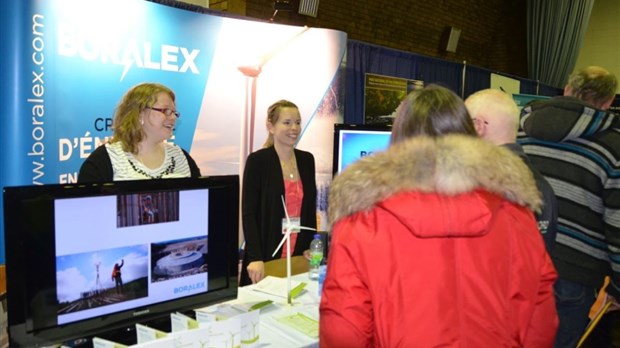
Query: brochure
[{"x": 277, "y": 286}]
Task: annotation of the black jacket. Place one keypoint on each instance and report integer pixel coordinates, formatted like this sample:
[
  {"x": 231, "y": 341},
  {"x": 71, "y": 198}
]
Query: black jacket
[
  {"x": 262, "y": 210},
  {"x": 548, "y": 217}
]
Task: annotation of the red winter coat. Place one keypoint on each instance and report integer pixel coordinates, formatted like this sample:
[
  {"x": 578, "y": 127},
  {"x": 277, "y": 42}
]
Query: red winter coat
[{"x": 427, "y": 252}]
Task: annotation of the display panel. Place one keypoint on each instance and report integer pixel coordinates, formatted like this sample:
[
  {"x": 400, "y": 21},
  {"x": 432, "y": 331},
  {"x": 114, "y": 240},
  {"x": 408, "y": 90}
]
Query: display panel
[
  {"x": 352, "y": 142},
  {"x": 84, "y": 259}
]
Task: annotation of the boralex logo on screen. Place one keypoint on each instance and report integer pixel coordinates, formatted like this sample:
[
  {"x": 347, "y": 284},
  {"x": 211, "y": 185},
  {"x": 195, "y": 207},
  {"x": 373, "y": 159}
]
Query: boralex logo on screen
[{"x": 129, "y": 53}]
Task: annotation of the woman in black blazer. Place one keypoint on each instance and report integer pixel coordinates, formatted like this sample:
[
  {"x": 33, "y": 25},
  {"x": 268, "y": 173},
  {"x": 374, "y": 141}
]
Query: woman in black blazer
[{"x": 278, "y": 170}]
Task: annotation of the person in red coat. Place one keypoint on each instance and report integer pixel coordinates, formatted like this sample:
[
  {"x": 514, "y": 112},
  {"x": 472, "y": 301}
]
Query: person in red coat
[{"x": 434, "y": 243}]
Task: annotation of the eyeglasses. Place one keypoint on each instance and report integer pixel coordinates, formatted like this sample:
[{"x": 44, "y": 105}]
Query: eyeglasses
[{"x": 167, "y": 112}]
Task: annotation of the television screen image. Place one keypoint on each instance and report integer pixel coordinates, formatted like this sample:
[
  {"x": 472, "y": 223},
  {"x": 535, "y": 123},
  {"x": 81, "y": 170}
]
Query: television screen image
[
  {"x": 352, "y": 142},
  {"x": 179, "y": 258},
  {"x": 87, "y": 282},
  {"x": 147, "y": 208},
  {"x": 86, "y": 260}
]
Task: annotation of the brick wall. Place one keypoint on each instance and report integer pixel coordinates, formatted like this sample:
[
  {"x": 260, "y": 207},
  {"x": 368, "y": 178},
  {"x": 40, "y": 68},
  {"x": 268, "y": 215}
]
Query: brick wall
[{"x": 493, "y": 32}]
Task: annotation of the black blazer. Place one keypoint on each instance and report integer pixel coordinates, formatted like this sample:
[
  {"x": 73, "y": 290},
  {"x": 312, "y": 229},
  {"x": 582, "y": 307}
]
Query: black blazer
[{"x": 262, "y": 210}]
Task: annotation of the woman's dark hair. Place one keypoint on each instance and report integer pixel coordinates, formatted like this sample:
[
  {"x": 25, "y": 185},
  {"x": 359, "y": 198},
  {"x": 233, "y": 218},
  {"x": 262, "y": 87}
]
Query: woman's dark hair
[{"x": 433, "y": 111}]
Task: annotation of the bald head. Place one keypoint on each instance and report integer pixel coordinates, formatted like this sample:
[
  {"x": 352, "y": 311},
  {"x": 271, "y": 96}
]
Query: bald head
[{"x": 495, "y": 115}]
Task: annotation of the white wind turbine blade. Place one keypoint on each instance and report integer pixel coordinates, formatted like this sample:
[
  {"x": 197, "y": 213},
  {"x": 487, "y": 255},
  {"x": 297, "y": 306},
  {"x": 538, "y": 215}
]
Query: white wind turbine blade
[
  {"x": 286, "y": 236},
  {"x": 288, "y": 220},
  {"x": 289, "y": 227}
]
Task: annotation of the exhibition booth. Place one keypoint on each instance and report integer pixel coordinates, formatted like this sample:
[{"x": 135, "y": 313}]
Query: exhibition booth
[
  {"x": 70, "y": 63},
  {"x": 65, "y": 69}
]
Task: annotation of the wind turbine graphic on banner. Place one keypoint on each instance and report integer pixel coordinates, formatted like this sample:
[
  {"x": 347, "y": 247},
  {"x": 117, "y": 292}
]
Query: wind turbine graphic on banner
[
  {"x": 289, "y": 227},
  {"x": 251, "y": 71}
]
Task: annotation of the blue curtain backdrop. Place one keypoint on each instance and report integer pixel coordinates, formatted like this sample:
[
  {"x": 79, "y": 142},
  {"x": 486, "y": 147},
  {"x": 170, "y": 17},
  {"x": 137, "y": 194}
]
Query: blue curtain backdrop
[
  {"x": 529, "y": 87},
  {"x": 476, "y": 78},
  {"x": 363, "y": 58}
]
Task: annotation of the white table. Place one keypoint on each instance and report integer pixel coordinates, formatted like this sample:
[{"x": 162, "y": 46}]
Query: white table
[{"x": 274, "y": 334}]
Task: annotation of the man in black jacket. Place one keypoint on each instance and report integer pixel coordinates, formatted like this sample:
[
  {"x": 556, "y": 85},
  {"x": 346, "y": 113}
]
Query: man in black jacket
[{"x": 496, "y": 118}]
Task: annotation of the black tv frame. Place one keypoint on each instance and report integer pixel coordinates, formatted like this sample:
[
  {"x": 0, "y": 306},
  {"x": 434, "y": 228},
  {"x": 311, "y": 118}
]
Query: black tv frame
[
  {"x": 339, "y": 127},
  {"x": 27, "y": 250}
]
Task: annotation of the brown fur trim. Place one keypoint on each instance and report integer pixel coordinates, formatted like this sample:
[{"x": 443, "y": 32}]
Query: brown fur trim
[{"x": 449, "y": 165}]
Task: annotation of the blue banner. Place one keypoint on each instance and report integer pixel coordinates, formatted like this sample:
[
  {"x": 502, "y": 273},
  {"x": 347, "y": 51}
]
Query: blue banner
[{"x": 70, "y": 62}]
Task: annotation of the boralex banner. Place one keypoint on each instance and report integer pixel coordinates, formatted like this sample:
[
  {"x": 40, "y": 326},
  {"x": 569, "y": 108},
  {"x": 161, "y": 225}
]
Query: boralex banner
[{"x": 68, "y": 63}]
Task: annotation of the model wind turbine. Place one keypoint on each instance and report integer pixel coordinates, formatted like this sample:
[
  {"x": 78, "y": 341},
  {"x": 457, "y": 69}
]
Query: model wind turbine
[{"x": 289, "y": 228}]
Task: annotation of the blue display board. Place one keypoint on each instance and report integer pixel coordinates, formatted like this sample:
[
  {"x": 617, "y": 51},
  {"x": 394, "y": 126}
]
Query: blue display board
[{"x": 69, "y": 62}]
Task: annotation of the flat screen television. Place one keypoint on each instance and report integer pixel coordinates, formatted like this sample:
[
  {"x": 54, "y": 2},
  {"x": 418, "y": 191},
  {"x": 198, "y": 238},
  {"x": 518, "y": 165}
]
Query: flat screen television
[
  {"x": 93, "y": 259},
  {"x": 353, "y": 141}
]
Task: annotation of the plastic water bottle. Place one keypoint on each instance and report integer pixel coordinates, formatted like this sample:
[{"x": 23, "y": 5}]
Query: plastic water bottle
[
  {"x": 316, "y": 255},
  {"x": 322, "y": 275}
]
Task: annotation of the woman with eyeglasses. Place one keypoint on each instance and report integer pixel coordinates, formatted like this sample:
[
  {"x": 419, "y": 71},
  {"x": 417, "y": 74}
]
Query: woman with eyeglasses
[{"x": 143, "y": 121}]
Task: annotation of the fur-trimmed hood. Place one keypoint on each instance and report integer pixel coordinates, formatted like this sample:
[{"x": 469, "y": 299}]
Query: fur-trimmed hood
[{"x": 447, "y": 165}]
